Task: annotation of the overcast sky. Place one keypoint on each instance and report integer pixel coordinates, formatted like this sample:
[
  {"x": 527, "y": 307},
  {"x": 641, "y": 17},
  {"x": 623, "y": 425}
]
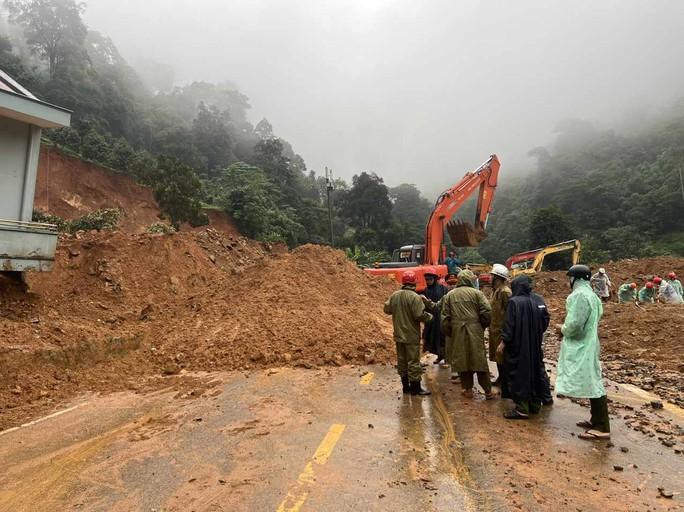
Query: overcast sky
[{"x": 418, "y": 91}]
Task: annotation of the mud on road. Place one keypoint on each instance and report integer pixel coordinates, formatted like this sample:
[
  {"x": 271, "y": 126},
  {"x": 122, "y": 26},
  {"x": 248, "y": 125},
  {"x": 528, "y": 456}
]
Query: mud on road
[{"x": 331, "y": 439}]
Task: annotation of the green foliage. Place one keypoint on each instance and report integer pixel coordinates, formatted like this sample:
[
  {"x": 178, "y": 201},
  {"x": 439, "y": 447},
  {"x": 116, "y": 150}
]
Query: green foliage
[
  {"x": 549, "y": 226},
  {"x": 211, "y": 138},
  {"x": 178, "y": 191},
  {"x": 622, "y": 196},
  {"x": 364, "y": 258},
  {"x": 367, "y": 203},
  {"x": 107, "y": 218},
  {"x": 53, "y": 28},
  {"x": 251, "y": 198},
  {"x": 161, "y": 228}
]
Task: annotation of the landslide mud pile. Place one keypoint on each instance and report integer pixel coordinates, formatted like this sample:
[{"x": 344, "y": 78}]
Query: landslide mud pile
[
  {"x": 120, "y": 310},
  {"x": 640, "y": 345}
]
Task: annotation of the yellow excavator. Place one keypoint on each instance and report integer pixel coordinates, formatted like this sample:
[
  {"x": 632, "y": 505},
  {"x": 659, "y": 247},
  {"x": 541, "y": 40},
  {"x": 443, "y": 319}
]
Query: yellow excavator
[{"x": 529, "y": 262}]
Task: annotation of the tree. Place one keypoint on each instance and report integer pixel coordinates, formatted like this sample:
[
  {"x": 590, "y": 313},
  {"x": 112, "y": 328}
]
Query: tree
[
  {"x": 178, "y": 191},
  {"x": 53, "y": 28},
  {"x": 263, "y": 129},
  {"x": 268, "y": 156},
  {"x": 211, "y": 138},
  {"x": 549, "y": 226},
  {"x": 367, "y": 203},
  {"x": 95, "y": 147},
  {"x": 250, "y": 197}
]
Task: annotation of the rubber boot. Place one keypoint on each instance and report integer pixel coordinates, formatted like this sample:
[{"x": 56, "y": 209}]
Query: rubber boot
[
  {"x": 405, "y": 385},
  {"x": 417, "y": 389}
]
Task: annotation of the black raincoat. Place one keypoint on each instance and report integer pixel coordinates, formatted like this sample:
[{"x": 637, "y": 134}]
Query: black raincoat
[
  {"x": 527, "y": 318},
  {"x": 433, "y": 339}
]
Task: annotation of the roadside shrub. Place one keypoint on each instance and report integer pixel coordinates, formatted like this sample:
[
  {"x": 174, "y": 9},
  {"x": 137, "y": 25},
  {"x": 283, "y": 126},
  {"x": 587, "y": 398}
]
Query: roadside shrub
[
  {"x": 107, "y": 218},
  {"x": 160, "y": 227}
]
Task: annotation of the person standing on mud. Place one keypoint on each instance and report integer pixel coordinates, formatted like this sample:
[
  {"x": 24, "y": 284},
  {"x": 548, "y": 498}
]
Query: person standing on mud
[
  {"x": 433, "y": 339},
  {"x": 499, "y": 303},
  {"x": 452, "y": 281},
  {"x": 579, "y": 367},
  {"x": 601, "y": 284},
  {"x": 524, "y": 375},
  {"x": 465, "y": 315},
  {"x": 407, "y": 310}
]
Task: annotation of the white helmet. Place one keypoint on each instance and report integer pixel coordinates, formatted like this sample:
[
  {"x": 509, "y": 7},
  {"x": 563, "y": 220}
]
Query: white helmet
[
  {"x": 499, "y": 270},
  {"x": 602, "y": 270}
]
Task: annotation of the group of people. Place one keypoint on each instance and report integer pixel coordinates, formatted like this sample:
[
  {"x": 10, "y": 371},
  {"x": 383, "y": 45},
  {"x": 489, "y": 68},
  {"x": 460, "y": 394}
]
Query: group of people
[
  {"x": 666, "y": 290},
  {"x": 456, "y": 317}
]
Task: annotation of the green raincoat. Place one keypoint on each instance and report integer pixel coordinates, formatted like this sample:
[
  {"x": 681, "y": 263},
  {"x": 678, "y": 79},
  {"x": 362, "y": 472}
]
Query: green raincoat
[
  {"x": 626, "y": 293},
  {"x": 468, "y": 313},
  {"x": 579, "y": 368},
  {"x": 646, "y": 294}
]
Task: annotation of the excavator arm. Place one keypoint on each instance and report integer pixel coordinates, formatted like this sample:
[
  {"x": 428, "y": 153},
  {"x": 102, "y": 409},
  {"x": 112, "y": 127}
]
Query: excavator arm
[
  {"x": 571, "y": 245},
  {"x": 462, "y": 234}
]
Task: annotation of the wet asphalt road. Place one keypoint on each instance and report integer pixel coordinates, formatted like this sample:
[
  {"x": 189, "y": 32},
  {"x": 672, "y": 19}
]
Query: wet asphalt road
[{"x": 333, "y": 439}]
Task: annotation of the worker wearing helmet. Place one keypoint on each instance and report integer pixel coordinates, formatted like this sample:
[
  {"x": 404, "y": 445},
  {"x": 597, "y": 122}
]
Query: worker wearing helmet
[
  {"x": 627, "y": 293},
  {"x": 408, "y": 310},
  {"x": 647, "y": 293},
  {"x": 433, "y": 339},
  {"x": 676, "y": 283},
  {"x": 525, "y": 378},
  {"x": 601, "y": 284},
  {"x": 667, "y": 293},
  {"x": 499, "y": 302},
  {"x": 465, "y": 315},
  {"x": 579, "y": 367}
]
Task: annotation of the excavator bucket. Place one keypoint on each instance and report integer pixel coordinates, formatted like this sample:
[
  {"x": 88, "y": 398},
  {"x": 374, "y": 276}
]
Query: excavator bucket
[{"x": 463, "y": 234}]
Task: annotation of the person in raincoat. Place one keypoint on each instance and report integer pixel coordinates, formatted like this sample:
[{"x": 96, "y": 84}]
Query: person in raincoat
[
  {"x": 666, "y": 292},
  {"x": 465, "y": 315},
  {"x": 452, "y": 281},
  {"x": 646, "y": 293},
  {"x": 601, "y": 284},
  {"x": 499, "y": 302},
  {"x": 676, "y": 283},
  {"x": 526, "y": 381},
  {"x": 453, "y": 263},
  {"x": 407, "y": 310},
  {"x": 627, "y": 293},
  {"x": 433, "y": 339},
  {"x": 579, "y": 368}
]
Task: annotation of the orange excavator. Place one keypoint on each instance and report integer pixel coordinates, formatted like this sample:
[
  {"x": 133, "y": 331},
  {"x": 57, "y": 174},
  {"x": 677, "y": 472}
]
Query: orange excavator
[{"x": 433, "y": 253}]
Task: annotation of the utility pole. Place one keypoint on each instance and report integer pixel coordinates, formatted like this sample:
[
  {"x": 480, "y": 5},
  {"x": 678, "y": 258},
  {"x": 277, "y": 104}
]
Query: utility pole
[{"x": 329, "y": 188}]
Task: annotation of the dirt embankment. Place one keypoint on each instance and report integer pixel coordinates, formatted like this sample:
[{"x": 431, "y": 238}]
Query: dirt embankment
[
  {"x": 641, "y": 345},
  {"x": 70, "y": 188},
  {"x": 120, "y": 310}
]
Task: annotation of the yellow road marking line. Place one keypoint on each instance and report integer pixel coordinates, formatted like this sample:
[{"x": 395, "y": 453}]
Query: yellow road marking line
[
  {"x": 297, "y": 495},
  {"x": 367, "y": 378},
  {"x": 678, "y": 411}
]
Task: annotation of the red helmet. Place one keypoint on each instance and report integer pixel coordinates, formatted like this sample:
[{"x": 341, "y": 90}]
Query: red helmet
[
  {"x": 633, "y": 285},
  {"x": 649, "y": 285},
  {"x": 430, "y": 271},
  {"x": 672, "y": 275},
  {"x": 657, "y": 280},
  {"x": 409, "y": 277}
]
